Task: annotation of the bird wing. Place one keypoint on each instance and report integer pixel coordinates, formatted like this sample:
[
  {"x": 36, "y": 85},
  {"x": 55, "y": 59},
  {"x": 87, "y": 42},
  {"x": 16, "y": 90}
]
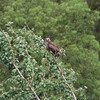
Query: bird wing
[{"x": 53, "y": 48}]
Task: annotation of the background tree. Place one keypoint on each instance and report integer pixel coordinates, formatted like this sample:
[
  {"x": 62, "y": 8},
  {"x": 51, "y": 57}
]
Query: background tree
[
  {"x": 76, "y": 29},
  {"x": 95, "y": 5}
]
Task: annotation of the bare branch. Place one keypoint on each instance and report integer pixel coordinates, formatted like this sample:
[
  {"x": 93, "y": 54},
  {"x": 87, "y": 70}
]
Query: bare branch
[
  {"x": 29, "y": 84},
  {"x": 65, "y": 79}
]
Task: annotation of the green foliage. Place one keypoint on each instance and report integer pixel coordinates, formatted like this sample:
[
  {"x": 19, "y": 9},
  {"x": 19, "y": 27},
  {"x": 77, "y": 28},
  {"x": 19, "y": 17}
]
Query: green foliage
[
  {"x": 50, "y": 19},
  {"x": 40, "y": 15},
  {"x": 94, "y": 4},
  {"x": 76, "y": 28},
  {"x": 24, "y": 49},
  {"x": 70, "y": 23},
  {"x": 4, "y": 72}
]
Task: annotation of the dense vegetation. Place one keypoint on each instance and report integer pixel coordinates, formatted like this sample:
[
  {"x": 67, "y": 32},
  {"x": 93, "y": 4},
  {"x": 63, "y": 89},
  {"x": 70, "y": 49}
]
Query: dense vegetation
[
  {"x": 26, "y": 52},
  {"x": 71, "y": 24}
]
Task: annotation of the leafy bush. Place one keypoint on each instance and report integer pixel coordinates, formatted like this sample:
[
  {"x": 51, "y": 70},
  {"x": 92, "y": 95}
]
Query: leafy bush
[{"x": 32, "y": 66}]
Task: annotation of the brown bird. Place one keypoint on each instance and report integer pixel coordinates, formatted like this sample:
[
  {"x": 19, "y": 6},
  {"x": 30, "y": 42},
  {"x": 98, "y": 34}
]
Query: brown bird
[{"x": 50, "y": 46}]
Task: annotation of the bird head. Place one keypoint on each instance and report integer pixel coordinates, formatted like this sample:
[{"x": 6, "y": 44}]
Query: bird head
[{"x": 47, "y": 40}]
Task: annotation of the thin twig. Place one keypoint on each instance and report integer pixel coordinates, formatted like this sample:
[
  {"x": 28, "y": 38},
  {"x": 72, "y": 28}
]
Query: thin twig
[
  {"x": 68, "y": 85},
  {"x": 65, "y": 80},
  {"x": 27, "y": 26}
]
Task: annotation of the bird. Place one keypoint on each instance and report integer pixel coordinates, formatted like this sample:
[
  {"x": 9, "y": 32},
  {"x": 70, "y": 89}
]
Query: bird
[{"x": 50, "y": 46}]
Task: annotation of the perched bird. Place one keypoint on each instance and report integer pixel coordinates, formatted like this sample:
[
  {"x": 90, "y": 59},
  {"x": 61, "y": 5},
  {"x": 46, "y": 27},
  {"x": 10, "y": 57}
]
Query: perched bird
[{"x": 50, "y": 46}]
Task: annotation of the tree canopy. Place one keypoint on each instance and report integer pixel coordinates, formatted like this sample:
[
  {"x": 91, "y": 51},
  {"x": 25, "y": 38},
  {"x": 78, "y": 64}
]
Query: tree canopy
[{"x": 25, "y": 53}]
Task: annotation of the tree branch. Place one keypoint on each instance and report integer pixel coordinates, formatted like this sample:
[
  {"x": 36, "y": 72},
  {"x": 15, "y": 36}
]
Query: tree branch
[
  {"x": 65, "y": 80},
  {"x": 32, "y": 89}
]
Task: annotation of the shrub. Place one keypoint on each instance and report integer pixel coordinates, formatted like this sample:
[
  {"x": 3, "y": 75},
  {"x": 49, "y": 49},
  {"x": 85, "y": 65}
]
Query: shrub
[{"x": 34, "y": 68}]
